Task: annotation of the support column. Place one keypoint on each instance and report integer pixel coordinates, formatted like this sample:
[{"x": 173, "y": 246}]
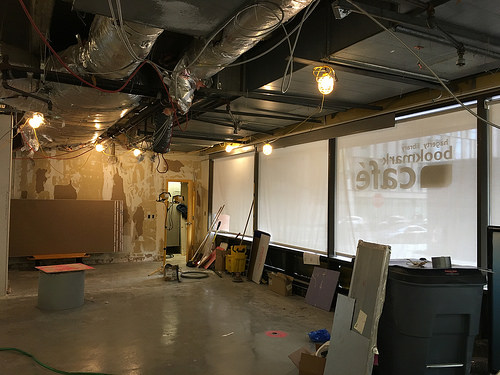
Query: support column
[{"x": 5, "y": 180}]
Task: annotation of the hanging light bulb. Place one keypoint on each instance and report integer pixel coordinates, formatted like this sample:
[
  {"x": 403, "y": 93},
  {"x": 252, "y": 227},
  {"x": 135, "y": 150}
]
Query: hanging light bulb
[
  {"x": 137, "y": 152},
  {"x": 99, "y": 147},
  {"x": 36, "y": 120},
  {"x": 325, "y": 76},
  {"x": 229, "y": 147},
  {"x": 267, "y": 149}
]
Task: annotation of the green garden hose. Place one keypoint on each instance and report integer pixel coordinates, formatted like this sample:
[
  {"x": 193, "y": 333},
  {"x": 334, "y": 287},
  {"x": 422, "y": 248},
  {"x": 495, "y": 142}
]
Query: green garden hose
[{"x": 48, "y": 367}]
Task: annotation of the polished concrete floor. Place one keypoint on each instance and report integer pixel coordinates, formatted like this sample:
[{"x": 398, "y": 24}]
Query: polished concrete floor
[{"x": 132, "y": 323}]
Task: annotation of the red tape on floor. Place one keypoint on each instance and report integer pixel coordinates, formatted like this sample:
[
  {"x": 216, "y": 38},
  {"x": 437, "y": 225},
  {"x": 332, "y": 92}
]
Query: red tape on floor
[{"x": 276, "y": 334}]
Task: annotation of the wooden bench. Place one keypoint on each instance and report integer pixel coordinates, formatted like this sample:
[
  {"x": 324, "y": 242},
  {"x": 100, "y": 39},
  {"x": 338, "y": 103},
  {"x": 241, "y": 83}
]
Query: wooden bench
[{"x": 77, "y": 256}]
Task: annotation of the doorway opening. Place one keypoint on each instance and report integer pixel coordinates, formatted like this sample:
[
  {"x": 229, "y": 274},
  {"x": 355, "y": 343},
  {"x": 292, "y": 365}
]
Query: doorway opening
[{"x": 179, "y": 220}]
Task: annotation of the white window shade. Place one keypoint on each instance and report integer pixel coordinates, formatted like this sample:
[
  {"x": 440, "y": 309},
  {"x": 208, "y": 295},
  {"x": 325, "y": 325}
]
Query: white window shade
[
  {"x": 412, "y": 187},
  {"x": 495, "y": 166},
  {"x": 233, "y": 187},
  {"x": 293, "y": 196}
]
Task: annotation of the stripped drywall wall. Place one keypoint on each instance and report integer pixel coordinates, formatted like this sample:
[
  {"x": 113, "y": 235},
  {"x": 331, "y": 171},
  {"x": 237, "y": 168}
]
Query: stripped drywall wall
[
  {"x": 135, "y": 181},
  {"x": 64, "y": 192}
]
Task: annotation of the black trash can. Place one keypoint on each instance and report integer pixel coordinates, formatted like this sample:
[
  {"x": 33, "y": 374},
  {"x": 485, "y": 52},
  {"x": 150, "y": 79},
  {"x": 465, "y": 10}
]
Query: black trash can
[{"x": 429, "y": 321}]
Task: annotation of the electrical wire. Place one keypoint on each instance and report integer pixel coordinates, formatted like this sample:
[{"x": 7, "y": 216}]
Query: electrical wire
[
  {"x": 158, "y": 164},
  {"x": 277, "y": 44},
  {"x": 194, "y": 274},
  {"x": 210, "y": 39},
  {"x": 127, "y": 41},
  {"x": 214, "y": 34},
  {"x": 47, "y": 366},
  {"x": 43, "y": 152},
  {"x": 158, "y": 69},
  {"x": 119, "y": 29},
  {"x": 51, "y": 157},
  {"x": 169, "y": 221},
  {"x": 166, "y": 203},
  {"x": 263, "y": 31},
  {"x": 289, "y": 64},
  {"x": 70, "y": 71},
  {"x": 11, "y": 129},
  {"x": 81, "y": 79},
  {"x": 425, "y": 65}
]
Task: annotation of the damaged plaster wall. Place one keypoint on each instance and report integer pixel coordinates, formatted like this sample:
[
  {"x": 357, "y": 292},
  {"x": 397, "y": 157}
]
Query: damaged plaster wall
[{"x": 99, "y": 176}]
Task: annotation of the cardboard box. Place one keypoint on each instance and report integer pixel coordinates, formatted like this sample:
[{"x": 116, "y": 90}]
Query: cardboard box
[
  {"x": 307, "y": 362},
  {"x": 280, "y": 283}
]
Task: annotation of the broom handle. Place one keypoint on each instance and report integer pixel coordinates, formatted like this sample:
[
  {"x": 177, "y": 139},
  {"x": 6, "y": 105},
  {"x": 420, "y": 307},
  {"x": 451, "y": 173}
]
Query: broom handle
[
  {"x": 248, "y": 219},
  {"x": 209, "y": 230}
]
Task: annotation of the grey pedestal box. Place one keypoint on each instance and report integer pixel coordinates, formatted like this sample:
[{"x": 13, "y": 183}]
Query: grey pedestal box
[{"x": 61, "y": 291}]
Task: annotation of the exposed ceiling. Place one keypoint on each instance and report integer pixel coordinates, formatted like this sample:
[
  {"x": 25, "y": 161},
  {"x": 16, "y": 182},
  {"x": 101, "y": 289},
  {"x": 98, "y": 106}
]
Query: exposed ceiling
[{"x": 227, "y": 101}]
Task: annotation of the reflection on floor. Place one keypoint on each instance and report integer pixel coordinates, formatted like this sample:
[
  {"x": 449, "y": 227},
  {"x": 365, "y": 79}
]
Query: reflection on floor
[{"x": 132, "y": 323}]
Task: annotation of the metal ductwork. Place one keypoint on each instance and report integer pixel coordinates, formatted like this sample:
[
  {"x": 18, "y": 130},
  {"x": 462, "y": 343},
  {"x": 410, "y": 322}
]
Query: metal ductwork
[
  {"x": 111, "y": 52},
  {"x": 243, "y": 32},
  {"x": 82, "y": 110}
]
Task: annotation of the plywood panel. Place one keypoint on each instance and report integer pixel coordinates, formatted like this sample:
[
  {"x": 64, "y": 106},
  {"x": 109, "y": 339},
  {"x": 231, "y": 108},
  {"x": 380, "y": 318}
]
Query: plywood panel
[
  {"x": 65, "y": 226},
  {"x": 354, "y": 331},
  {"x": 368, "y": 285}
]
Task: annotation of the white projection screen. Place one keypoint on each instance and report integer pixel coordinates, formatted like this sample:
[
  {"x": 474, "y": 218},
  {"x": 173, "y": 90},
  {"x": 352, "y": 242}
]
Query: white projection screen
[
  {"x": 412, "y": 187},
  {"x": 293, "y": 196},
  {"x": 233, "y": 187}
]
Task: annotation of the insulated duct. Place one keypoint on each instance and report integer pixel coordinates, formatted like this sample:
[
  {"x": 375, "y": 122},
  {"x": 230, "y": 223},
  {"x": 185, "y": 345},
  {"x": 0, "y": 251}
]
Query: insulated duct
[
  {"x": 84, "y": 112},
  {"x": 240, "y": 34},
  {"x": 112, "y": 51}
]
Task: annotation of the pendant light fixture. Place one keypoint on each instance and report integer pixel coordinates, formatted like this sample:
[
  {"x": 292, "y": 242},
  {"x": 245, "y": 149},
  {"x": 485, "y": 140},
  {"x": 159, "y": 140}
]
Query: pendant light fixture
[{"x": 325, "y": 76}]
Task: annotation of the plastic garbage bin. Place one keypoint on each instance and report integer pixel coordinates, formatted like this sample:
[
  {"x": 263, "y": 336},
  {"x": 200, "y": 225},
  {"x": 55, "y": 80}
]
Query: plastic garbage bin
[{"x": 429, "y": 321}]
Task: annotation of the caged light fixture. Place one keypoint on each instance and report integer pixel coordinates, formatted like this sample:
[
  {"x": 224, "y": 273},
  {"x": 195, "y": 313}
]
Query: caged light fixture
[
  {"x": 36, "y": 120},
  {"x": 325, "y": 76}
]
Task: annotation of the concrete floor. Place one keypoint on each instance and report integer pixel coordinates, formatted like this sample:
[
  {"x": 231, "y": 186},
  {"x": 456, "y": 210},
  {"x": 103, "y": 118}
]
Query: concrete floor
[{"x": 132, "y": 323}]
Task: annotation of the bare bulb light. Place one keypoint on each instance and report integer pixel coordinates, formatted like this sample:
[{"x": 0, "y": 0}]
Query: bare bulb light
[
  {"x": 36, "y": 120},
  {"x": 325, "y": 85},
  {"x": 267, "y": 149},
  {"x": 137, "y": 152},
  {"x": 325, "y": 77},
  {"x": 99, "y": 147},
  {"x": 229, "y": 148}
]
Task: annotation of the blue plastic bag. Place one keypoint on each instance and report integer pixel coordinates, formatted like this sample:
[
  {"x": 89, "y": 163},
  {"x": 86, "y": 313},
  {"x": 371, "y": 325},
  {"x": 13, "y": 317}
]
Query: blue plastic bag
[{"x": 321, "y": 335}]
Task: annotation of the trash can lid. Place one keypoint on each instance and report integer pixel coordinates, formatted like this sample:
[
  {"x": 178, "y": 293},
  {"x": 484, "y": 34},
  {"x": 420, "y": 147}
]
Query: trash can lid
[{"x": 399, "y": 270}]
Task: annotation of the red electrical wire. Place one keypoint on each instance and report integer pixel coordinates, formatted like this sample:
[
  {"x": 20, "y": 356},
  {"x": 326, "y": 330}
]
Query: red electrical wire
[
  {"x": 165, "y": 88},
  {"x": 136, "y": 70},
  {"x": 44, "y": 40}
]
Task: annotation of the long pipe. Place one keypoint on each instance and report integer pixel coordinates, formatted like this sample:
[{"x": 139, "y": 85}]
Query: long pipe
[
  {"x": 442, "y": 40},
  {"x": 27, "y": 94}
]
